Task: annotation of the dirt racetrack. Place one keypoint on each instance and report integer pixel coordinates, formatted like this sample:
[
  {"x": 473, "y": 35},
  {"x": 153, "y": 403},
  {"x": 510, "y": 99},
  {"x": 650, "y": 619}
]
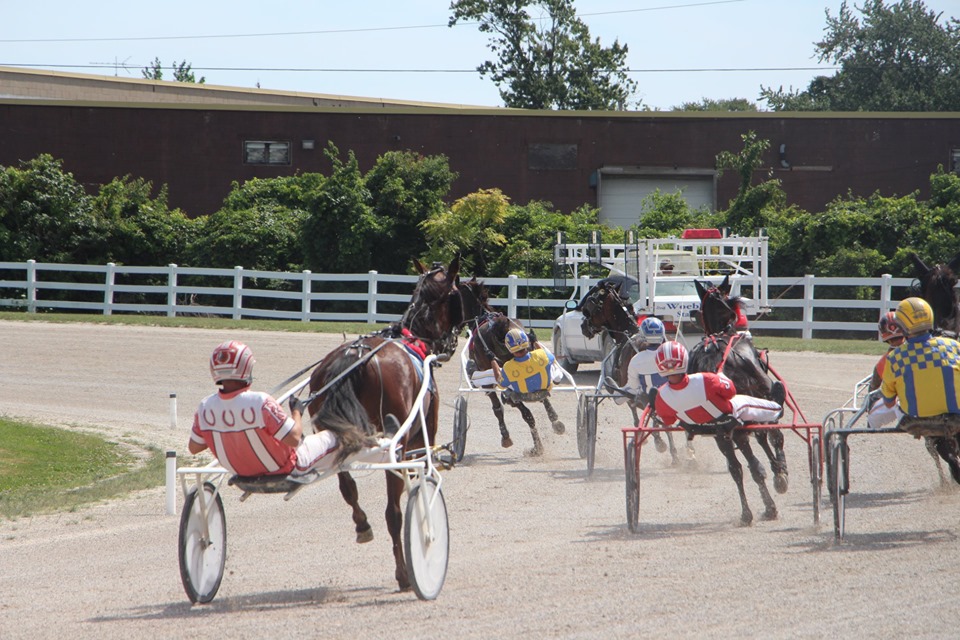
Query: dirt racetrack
[{"x": 537, "y": 549}]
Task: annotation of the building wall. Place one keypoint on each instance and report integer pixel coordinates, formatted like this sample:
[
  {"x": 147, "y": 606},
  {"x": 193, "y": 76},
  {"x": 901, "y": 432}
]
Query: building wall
[{"x": 197, "y": 150}]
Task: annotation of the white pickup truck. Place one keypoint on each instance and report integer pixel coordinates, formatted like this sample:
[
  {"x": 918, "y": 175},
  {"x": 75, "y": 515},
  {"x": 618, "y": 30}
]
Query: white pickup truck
[{"x": 658, "y": 278}]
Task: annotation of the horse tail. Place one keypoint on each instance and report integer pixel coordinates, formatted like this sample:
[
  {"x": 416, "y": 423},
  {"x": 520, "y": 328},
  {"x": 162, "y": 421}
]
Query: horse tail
[{"x": 342, "y": 412}]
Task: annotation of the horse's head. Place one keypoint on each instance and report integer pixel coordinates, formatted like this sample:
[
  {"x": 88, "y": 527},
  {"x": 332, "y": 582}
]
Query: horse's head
[
  {"x": 435, "y": 314},
  {"x": 937, "y": 288},
  {"x": 475, "y": 298},
  {"x": 604, "y": 308},
  {"x": 718, "y": 310}
]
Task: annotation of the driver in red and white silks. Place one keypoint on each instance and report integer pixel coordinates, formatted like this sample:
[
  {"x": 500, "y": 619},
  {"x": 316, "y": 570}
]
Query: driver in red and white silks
[
  {"x": 700, "y": 398},
  {"x": 248, "y": 431}
]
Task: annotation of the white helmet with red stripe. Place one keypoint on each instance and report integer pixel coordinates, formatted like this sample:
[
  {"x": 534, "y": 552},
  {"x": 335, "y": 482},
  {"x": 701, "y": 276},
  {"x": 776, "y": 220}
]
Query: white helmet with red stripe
[
  {"x": 232, "y": 360},
  {"x": 671, "y": 358}
]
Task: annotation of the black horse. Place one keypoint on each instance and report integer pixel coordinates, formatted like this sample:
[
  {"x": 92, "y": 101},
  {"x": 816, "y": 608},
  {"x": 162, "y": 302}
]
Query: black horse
[
  {"x": 375, "y": 380},
  {"x": 489, "y": 329},
  {"x": 733, "y": 353},
  {"x": 937, "y": 285},
  {"x": 606, "y": 307}
]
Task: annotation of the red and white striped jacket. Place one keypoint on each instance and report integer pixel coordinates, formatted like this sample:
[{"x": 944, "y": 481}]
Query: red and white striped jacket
[{"x": 698, "y": 398}]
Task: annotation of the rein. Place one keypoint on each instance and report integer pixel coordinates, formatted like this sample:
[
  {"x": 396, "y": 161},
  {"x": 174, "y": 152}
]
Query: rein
[{"x": 316, "y": 394}]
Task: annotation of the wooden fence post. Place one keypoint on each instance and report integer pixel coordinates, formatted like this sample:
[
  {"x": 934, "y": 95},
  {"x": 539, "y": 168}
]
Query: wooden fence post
[
  {"x": 171, "y": 290},
  {"x": 31, "y": 286},
  {"x": 807, "y": 331},
  {"x": 371, "y": 296},
  {"x": 237, "y": 293}
]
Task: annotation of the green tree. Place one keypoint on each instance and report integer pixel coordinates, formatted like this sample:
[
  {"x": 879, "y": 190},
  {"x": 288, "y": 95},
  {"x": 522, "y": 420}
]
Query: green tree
[
  {"x": 45, "y": 215},
  {"x": 182, "y": 72},
  {"x": 137, "y": 228},
  {"x": 547, "y": 62},
  {"x": 264, "y": 237},
  {"x": 898, "y": 58},
  {"x": 753, "y": 205},
  {"x": 405, "y": 189},
  {"x": 472, "y": 227},
  {"x": 709, "y": 104},
  {"x": 340, "y": 227}
]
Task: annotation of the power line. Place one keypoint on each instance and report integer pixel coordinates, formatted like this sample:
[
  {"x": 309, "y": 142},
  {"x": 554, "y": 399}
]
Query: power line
[
  {"x": 335, "y": 31},
  {"x": 346, "y": 70}
]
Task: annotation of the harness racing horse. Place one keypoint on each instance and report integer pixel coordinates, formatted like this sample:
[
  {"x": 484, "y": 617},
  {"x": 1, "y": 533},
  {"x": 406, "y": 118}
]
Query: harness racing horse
[
  {"x": 489, "y": 328},
  {"x": 722, "y": 349},
  {"x": 937, "y": 288},
  {"x": 605, "y": 307},
  {"x": 376, "y": 378}
]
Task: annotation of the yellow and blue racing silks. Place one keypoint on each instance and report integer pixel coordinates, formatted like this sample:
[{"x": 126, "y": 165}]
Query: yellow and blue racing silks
[
  {"x": 924, "y": 374},
  {"x": 528, "y": 373}
]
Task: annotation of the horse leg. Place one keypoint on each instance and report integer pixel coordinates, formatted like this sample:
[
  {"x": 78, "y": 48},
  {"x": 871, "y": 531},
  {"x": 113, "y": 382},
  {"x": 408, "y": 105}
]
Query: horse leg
[
  {"x": 758, "y": 473},
  {"x": 931, "y": 445},
  {"x": 505, "y": 440},
  {"x": 725, "y": 444},
  {"x": 348, "y": 489},
  {"x": 558, "y": 427},
  {"x": 948, "y": 450},
  {"x": 394, "y": 519},
  {"x": 772, "y": 444},
  {"x": 537, "y": 449}
]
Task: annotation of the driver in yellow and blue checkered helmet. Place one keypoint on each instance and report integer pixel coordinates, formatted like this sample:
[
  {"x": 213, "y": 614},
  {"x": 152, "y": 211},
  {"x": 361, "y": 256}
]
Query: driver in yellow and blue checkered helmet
[{"x": 923, "y": 373}]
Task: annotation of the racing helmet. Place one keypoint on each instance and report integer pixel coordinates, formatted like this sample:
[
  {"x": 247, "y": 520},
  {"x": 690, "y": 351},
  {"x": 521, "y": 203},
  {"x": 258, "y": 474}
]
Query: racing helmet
[
  {"x": 516, "y": 341},
  {"x": 652, "y": 330},
  {"x": 671, "y": 358},
  {"x": 232, "y": 360},
  {"x": 915, "y": 316},
  {"x": 889, "y": 328}
]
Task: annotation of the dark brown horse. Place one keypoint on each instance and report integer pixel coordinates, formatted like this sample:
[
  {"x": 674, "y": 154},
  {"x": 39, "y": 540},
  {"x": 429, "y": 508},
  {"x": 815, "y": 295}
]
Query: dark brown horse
[
  {"x": 489, "y": 329},
  {"x": 722, "y": 349},
  {"x": 375, "y": 394},
  {"x": 937, "y": 287},
  {"x": 605, "y": 308}
]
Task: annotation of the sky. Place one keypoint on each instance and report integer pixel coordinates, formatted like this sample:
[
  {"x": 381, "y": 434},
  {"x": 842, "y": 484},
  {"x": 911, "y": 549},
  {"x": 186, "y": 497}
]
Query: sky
[{"x": 679, "y": 50}]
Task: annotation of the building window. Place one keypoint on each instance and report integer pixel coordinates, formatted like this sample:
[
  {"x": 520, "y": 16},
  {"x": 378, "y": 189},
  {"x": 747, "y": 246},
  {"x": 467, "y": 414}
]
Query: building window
[
  {"x": 266, "y": 152},
  {"x": 955, "y": 160},
  {"x": 548, "y": 156}
]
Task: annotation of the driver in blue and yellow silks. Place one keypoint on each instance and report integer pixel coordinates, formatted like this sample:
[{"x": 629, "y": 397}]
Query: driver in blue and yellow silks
[{"x": 528, "y": 371}]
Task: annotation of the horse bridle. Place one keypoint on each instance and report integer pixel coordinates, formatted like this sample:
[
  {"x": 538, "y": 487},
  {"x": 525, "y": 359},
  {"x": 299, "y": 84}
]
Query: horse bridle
[
  {"x": 717, "y": 295},
  {"x": 593, "y": 303},
  {"x": 418, "y": 314}
]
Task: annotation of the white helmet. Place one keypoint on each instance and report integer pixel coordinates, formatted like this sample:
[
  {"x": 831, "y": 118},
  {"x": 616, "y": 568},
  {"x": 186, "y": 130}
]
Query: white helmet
[
  {"x": 652, "y": 330},
  {"x": 232, "y": 360}
]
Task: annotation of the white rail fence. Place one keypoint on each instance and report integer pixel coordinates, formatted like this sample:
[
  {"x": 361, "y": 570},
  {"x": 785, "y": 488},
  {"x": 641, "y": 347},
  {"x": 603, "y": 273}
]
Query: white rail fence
[{"x": 798, "y": 304}]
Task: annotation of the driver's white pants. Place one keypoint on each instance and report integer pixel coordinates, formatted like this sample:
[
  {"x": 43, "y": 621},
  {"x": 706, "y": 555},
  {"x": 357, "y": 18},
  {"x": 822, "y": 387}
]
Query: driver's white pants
[
  {"x": 318, "y": 452},
  {"x": 881, "y": 415},
  {"x": 750, "y": 409}
]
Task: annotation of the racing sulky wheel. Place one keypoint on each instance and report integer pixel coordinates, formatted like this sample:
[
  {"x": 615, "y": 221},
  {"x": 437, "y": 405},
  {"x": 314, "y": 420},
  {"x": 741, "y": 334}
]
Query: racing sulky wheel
[
  {"x": 582, "y": 404},
  {"x": 426, "y": 539},
  {"x": 632, "y": 484},
  {"x": 840, "y": 483},
  {"x": 459, "y": 428},
  {"x": 202, "y": 543},
  {"x": 590, "y": 424},
  {"x": 816, "y": 474}
]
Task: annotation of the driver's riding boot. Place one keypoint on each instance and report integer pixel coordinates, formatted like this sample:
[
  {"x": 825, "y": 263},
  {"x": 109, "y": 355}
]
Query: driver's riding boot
[{"x": 779, "y": 395}]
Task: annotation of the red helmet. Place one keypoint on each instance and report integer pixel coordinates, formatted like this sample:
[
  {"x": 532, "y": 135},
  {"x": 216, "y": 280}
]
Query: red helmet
[
  {"x": 232, "y": 360},
  {"x": 889, "y": 327},
  {"x": 671, "y": 358}
]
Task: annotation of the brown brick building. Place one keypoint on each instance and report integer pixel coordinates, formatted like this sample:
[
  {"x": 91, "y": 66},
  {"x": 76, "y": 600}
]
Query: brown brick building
[{"x": 198, "y": 139}]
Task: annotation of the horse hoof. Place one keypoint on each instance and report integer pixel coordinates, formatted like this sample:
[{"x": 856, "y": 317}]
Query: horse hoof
[
  {"x": 364, "y": 536},
  {"x": 536, "y": 452},
  {"x": 506, "y": 442},
  {"x": 746, "y": 520},
  {"x": 780, "y": 482},
  {"x": 661, "y": 445},
  {"x": 558, "y": 427},
  {"x": 771, "y": 514}
]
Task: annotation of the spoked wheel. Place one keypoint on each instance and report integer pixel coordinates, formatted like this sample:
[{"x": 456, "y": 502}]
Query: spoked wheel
[
  {"x": 426, "y": 539},
  {"x": 632, "y": 484},
  {"x": 839, "y": 458},
  {"x": 459, "y": 428},
  {"x": 582, "y": 405},
  {"x": 203, "y": 543},
  {"x": 590, "y": 424},
  {"x": 816, "y": 477}
]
